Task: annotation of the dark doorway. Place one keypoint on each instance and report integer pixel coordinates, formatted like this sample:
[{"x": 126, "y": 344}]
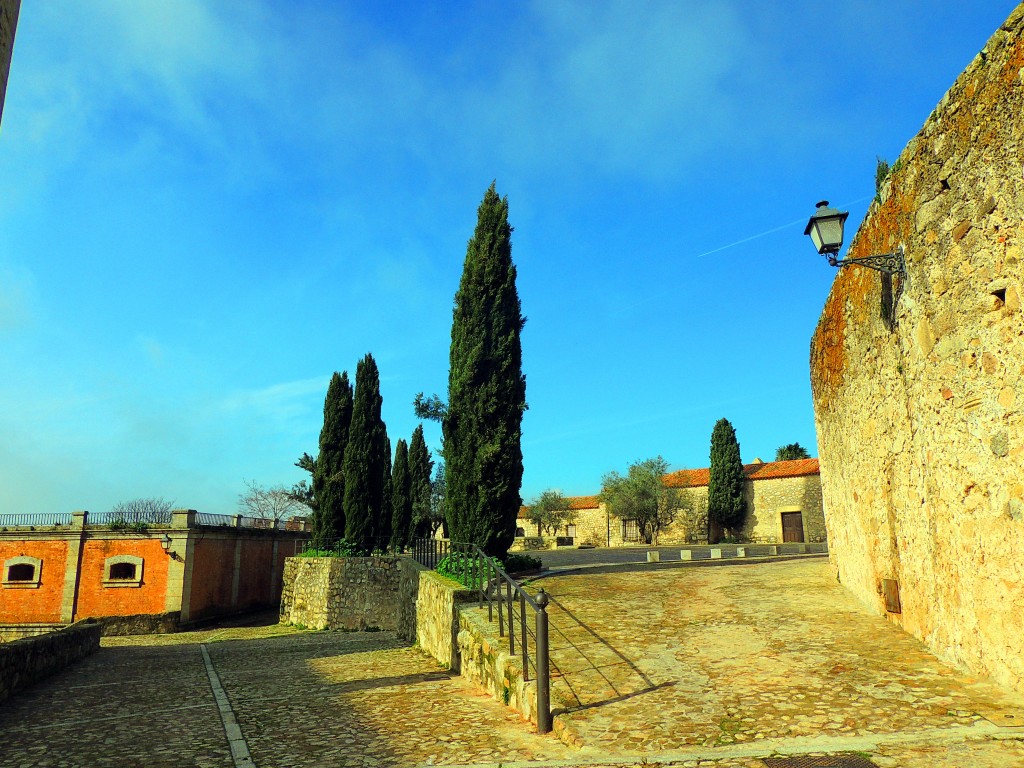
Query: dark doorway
[{"x": 792, "y": 526}]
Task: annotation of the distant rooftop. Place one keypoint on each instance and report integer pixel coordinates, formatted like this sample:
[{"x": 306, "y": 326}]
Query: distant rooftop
[
  {"x": 698, "y": 478},
  {"x": 767, "y": 470}
]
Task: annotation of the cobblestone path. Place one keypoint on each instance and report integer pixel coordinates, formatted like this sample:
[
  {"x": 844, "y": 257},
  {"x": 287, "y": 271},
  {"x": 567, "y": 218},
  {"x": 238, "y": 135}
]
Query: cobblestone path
[
  {"x": 693, "y": 667},
  {"x": 299, "y": 699},
  {"x": 673, "y": 659}
]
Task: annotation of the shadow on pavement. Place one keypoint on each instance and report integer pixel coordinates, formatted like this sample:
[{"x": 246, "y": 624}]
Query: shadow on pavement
[{"x": 606, "y": 675}]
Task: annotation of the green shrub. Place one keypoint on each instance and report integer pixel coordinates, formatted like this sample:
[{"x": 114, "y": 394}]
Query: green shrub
[
  {"x": 344, "y": 548},
  {"x": 454, "y": 564}
]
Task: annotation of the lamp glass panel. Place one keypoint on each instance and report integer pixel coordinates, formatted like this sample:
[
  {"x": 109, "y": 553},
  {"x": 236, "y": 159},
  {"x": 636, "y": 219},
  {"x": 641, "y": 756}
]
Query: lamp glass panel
[
  {"x": 815, "y": 237},
  {"x": 830, "y": 231}
]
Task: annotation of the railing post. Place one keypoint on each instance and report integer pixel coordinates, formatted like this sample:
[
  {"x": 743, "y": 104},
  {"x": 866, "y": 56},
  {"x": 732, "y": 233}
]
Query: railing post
[
  {"x": 511, "y": 622},
  {"x": 480, "y": 571},
  {"x": 543, "y": 673},
  {"x": 501, "y": 615},
  {"x": 522, "y": 639},
  {"x": 490, "y": 593}
]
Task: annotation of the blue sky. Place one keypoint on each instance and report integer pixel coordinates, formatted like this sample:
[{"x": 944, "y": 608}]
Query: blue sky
[{"x": 208, "y": 206}]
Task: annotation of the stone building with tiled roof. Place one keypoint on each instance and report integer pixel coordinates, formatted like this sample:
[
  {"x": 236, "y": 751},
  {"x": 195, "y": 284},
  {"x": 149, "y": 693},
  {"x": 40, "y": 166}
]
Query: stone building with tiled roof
[{"x": 783, "y": 504}]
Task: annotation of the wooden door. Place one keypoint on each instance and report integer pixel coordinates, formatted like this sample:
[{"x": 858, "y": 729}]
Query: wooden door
[{"x": 792, "y": 526}]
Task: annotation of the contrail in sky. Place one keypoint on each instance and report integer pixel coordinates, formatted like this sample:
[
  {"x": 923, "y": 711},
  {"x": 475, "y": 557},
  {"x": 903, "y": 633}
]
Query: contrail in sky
[{"x": 770, "y": 231}]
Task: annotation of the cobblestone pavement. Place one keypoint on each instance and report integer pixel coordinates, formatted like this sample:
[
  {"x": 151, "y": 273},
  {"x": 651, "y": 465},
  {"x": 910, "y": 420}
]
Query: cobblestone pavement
[
  {"x": 299, "y": 698},
  {"x": 672, "y": 659},
  {"x": 128, "y": 706},
  {"x": 693, "y": 667}
]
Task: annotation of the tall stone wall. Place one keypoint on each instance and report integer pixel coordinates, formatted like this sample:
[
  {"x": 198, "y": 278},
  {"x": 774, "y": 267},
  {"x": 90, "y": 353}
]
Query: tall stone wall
[{"x": 919, "y": 422}]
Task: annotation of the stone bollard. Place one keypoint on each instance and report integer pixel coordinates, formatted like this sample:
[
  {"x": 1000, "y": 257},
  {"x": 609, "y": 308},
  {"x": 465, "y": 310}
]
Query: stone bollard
[
  {"x": 653, "y": 556},
  {"x": 685, "y": 554},
  {"x": 801, "y": 549},
  {"x": 741, "y": 551},
  {"x": 716, "y": 554},
  {"x": 773, "y": 550}
]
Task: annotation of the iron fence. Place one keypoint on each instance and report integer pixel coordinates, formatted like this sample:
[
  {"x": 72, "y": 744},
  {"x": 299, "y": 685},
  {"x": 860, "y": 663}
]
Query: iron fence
[
  {"x": 506, "y": 598},
  {"x": 211, "y": 518},
  {"x": 34, "y": 519},
  {"x": 263, "y": 522},
  {"x": 130, "y": 517}
]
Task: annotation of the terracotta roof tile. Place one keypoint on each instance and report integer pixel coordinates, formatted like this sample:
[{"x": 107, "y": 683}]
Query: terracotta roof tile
[
  {"x": 575, "y": 502},
  {"x": 698, "y": 478},
  {"x": 770, "y": 470}
]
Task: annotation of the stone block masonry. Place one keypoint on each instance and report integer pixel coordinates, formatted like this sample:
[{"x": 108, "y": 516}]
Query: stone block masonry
[
  {"x": 351, "y": 593},
  {"x": 395, "y": 592},
  {"x": 919, "y": 409},
  {"x": 31, "y": 659}
]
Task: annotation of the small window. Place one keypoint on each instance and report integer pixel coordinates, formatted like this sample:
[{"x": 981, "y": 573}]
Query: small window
[
  {"x": 520, "y": 532},
  {"x": 123, "y": 571},
  {"x": 22, "y": 572},
  {"x": 570, "y": 531}
]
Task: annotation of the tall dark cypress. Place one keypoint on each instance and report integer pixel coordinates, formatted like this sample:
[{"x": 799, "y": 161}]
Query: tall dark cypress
[
  {"x": 328, "y": 471},
  {"x": 486, "y": 389},
  {"x": 401, "y": 498},
  {"x": 726, "y": 507},
  {"x": 382, "y": 526},
  {"x": 420, "y": 470},
  {"x": 365, "y": 459}
]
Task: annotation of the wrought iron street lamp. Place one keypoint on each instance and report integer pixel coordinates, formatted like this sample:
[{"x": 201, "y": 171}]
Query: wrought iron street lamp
[{"x": 825, "y": 229}]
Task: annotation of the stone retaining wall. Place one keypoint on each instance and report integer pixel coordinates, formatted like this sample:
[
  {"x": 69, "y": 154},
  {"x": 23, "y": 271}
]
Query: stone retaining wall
[
  {"x": 140, "y": 624},
  {"x": 351, "y": 593},
  {"x": 29, "y": 660},
  {"x": 437, "y": 617},
  {"x": 423, "y": 606},
  {"x": 490, "y": 666}
]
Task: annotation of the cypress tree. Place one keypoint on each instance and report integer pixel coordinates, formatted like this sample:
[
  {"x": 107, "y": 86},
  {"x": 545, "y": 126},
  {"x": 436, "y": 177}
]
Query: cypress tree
[
  {"x": 382, "y": 527},
  {"x": 726, "y": 507},
  {"x": 365, "y": 459},
  {"x": 486, "y": 389},
  {"x": 401, "y": 498},
  {"x": 420, "y": 468},
  {"x": 328, "y": 470}
]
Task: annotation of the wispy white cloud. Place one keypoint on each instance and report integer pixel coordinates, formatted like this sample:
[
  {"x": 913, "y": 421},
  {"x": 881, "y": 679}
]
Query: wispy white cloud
[
  {"x": 143, "y": 74},
  {"x": 621, "y": 86},
  {"x": 280, "y": 401}
]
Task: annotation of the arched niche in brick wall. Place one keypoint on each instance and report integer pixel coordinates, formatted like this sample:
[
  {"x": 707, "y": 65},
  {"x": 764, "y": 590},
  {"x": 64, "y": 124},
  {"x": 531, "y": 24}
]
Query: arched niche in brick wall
[
  {"x": 22, "y": 572},
  {"x": 122, "y": 571}
]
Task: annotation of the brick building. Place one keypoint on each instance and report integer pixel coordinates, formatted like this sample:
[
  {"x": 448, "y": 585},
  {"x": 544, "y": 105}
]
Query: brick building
[
  {"x": 783, "y": 504},
  {"x": 174, "y": 569}
]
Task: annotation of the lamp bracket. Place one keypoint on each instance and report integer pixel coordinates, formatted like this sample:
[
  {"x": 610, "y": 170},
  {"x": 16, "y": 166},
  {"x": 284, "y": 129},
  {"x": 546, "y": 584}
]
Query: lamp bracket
[{"x": 889, "y": 263}]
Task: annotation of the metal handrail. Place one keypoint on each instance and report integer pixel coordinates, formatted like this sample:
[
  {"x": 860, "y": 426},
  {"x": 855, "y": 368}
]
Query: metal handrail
[{"x": 485, "y": 577}]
